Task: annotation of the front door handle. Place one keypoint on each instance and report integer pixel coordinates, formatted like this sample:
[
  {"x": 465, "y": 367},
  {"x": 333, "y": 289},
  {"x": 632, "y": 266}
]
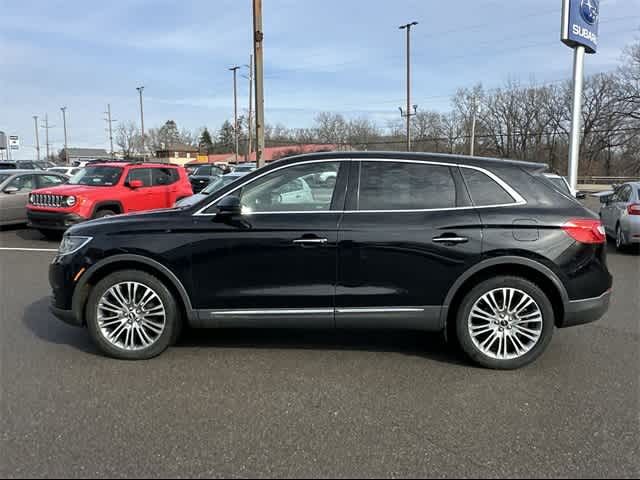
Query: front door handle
[
  {"x": 451, "y": 239},
  {"x": 310, "y": 241}
]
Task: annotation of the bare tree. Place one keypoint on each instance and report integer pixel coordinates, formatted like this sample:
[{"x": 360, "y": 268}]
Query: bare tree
[{"x": 128, "y": 138}]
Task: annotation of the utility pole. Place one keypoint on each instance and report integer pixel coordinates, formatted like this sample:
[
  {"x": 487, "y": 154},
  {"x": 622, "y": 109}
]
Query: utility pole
[
  {"x": 408, "y": 113},
  {"x": 64, "y": 123},
  {"x": 258, "y": 39},
  {"x": 249, "y": 126},
  {"x": 235, "y": 110},
  {"x": 140, "y": 90},
  {"x": 110, "y": 129},
  {"x": 473, "y": 127},
  {"x": 47, "y": 127},
  {"x": 35, "y": 120}
]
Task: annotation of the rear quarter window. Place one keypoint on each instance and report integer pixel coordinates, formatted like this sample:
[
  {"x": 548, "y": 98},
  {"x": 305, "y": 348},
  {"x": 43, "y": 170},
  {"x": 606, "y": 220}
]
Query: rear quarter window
[{"x": 484, "y": 190}]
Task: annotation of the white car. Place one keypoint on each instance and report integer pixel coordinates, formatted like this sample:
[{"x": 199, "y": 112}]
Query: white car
[
  {"x": 68, "y": 171},
  {"x": 562, "y": 184}
]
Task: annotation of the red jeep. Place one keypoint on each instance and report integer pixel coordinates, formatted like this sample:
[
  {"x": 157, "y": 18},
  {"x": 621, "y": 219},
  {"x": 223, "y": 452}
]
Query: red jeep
[{"x": 104, "y": 189}]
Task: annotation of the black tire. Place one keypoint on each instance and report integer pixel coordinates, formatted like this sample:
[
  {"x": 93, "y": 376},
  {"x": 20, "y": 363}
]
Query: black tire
[
  {"x": 620, "y": 245},
  {"x": 462, "y": 322},
  {"x": 173, "y": 320},
  {"x": 51, "y": 234},
  {"x": 104, "y": 213}
]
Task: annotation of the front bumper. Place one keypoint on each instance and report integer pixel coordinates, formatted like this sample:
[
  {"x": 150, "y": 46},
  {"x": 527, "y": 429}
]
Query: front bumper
[
  {"x": 579, "y": 312},
  {"x": 52, "y": 220}
]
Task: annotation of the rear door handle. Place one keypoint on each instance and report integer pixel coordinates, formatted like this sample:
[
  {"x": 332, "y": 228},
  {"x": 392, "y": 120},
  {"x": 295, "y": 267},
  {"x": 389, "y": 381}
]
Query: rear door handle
[{"x": 453, "y": 239}]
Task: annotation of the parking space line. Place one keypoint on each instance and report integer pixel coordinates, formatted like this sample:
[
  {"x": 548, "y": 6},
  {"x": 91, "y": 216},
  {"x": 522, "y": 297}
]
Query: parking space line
[{"x": 11, "y": 249}]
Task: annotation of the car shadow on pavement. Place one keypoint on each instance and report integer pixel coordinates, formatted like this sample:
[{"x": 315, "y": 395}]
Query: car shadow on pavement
[
  {"x": 45, "y": 326},
  {"x": 413, "y": 343}
]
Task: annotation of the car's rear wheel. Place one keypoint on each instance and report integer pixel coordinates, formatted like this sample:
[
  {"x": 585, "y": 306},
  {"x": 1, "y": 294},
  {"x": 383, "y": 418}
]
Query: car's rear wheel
[
  {"x": 505, "y": 323},
  {"x": 620, "y": 244},
  {"x": 132, "y": 315}
]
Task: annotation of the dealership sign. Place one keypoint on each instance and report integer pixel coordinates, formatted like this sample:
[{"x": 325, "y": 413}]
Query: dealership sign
[{"x": 580, "y": 20}]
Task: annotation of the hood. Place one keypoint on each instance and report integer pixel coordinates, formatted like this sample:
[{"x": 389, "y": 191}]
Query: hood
[
  {"x": 69, "y": 190},
  {"x": 149, "y": 220}
]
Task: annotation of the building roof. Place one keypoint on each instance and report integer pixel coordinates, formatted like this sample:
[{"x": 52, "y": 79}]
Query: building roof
[
  {"x": 179, "y": 147},
  {"x": 88, "y": 152}
]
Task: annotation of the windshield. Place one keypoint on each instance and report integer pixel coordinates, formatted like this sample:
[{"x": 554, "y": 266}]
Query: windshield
[
  {"x": 97, "y": 176},
  {"x": 3, "y": 177},
  {"x": 560, "y": 184},
  {"x": 218, "y": 184},
  {"x": 245, "y": 168}
]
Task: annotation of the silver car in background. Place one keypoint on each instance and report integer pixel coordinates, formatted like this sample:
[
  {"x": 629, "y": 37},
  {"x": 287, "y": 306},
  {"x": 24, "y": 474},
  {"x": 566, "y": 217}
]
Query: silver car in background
[
  {"x": 620, "y": 214},
  {"x": 15, "y": 187}
]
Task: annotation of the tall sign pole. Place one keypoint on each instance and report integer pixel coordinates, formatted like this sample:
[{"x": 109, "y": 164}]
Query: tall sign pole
[
  {"x": 580, "y": 21},
  {"x": 258, "y": 38},
  {"x": 235, "y": 112},
  {"x": 35, "y": 119},
  {"x": 66, "y": 146},
  {"x": 408, "y": 113},
  {"x": 140, "y": 90}
]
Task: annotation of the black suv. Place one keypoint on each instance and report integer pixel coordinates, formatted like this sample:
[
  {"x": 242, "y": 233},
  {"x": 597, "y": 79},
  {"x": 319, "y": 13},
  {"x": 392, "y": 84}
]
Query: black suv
[{"x": 487, "y": 251}]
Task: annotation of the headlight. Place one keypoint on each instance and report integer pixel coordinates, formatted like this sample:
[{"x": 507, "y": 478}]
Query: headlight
[
  {"x": 32, "y": 198},
  {"x": 71, "y": 201},
  {"x": 71, "y": 244}
]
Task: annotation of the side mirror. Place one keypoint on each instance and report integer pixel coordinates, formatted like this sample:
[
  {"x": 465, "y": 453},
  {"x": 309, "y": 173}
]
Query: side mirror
[
  {"x": 11, "y": 190},
  {"x": 229, "y": 206},
  {"x": 581, "y": 195},
  {"x": 136, "y": 184}
]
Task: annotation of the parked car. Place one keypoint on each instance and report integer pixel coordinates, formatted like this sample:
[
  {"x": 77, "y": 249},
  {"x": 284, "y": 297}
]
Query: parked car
[
  {"x": 68, "y": 171},
  {"x": 15, "y": 187},
  {"x": 106, "y": 189},
  {"x": 210, "y": 189},
  {"x": 200, "y": 182},
  {"x": 485, "y": 250},
  {"x": 246, "y": 167},
  {"x": 206, "y": 170},
  {"x": 620, "y": 214},
  {"x": 562, "y": 184},
  {"x": 21, "y": 165}
]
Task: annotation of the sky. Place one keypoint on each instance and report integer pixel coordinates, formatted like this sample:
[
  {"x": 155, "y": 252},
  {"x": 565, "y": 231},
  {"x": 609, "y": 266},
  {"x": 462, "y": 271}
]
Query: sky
[{"x": 345, "y": 56}]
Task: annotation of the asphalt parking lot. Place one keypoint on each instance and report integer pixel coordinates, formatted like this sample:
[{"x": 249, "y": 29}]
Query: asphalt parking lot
[{"x": 309, "y": 404}]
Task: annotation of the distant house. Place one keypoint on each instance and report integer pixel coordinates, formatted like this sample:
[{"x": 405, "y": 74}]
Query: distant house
[
  {"x": 77, "y": 155},
  {"x": 178, "y": 154}
]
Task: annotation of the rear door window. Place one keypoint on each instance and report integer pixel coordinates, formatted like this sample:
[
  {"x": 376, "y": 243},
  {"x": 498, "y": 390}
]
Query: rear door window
[
  {"x": 484, "y": 190},
  {"x": 142, "y": 174},
  {"x": 389, "y": 185},
  {"x": 164, "y": 176}
]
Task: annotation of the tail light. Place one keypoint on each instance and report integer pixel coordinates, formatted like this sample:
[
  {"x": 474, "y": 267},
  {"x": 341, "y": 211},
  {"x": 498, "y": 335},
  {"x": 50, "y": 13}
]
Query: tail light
[
  {"x": 585, "y": 230},
  {"x": 634, "y": 209}
]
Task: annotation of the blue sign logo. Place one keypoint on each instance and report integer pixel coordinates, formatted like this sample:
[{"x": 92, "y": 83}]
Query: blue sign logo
[{"x": 590, "y": 9}]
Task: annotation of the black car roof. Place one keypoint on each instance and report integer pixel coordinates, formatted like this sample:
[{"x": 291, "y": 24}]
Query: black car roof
[{"x": 486, "y": 162}]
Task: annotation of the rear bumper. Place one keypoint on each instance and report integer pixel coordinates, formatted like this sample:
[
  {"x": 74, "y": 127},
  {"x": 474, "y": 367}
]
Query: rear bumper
[
  {"x": 579, "y": 312},
  {"x": 52, "y": 220}
]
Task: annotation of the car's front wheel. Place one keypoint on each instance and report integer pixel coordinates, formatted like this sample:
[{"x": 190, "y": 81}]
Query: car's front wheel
[
  {"x": 505, "y": 323},
  {"x": 132, "y": 315}
]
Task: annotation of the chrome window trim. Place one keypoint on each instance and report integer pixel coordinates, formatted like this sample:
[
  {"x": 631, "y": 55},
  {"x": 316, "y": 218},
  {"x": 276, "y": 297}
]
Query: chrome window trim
[
  {"x": 380, "y": 310},
  {"x": 518, "y": 199}
]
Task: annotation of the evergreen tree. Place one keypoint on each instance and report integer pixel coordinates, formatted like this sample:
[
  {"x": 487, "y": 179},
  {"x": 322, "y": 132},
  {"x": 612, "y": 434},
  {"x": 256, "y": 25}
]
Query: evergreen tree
[{"x": 205, "y": 142}]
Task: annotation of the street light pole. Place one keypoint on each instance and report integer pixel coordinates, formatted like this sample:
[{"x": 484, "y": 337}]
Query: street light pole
[
  {"x": 408, "y": 113},
  {"x": 64, "y": 123},
  {"x": 258, "y": 50},
  {"x": 35, "y": 120},
  {"x": 140, "y": 90},
  {"x": 235, "y": 110}
]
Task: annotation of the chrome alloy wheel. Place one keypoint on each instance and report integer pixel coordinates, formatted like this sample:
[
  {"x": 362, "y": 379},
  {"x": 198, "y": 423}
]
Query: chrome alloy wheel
[
  {"x": 505, "y": 323},
  {"x": 131, "y": 316}
]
